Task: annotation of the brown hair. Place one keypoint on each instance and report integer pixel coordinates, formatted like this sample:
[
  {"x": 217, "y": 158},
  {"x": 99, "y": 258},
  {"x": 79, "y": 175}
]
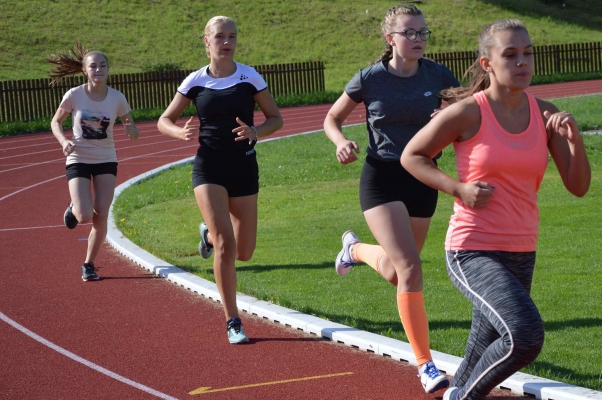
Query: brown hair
[
  {"x": 479, "y": 78},
  {"x": 70, "y": 62},
  {"x": 209, "y": 28},
  {"x": 390, "y": 22}
]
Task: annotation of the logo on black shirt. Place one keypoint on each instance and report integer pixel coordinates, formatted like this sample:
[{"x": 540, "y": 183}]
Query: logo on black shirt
[{"x": 243, "y": 77}]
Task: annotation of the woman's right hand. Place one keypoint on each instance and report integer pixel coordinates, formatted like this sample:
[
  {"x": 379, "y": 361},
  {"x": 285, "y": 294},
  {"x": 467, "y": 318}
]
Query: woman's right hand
[
  {"x": 189, "y": 131},
  {"x": 475, "y": 194},
  {"x": 345, "y": 151},
  {"x": 68, "y": 147}
]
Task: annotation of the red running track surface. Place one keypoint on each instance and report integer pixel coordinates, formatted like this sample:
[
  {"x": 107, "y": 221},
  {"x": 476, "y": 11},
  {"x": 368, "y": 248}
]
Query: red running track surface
[{"x": 136, "y": 336}]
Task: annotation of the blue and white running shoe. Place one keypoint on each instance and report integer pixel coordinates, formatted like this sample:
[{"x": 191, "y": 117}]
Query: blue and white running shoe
[
  {"x": 235, "y": 333},
  {"x": 431, "y": 379},
  {"x": 344, "y": 261}
]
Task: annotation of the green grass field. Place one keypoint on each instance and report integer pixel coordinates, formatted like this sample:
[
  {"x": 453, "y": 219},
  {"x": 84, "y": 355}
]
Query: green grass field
[
  {"x": 307, "y": 200},
  {"x": 343, "y": 34}
]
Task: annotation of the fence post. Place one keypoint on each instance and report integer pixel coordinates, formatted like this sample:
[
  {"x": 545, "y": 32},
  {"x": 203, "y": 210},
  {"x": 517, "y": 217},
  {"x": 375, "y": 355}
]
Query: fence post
[{"x": 2, "y": 102}]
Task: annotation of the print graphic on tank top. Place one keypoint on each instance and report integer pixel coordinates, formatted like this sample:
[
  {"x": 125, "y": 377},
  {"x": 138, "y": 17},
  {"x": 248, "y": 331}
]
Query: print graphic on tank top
[{"x": 94, "y": 124}]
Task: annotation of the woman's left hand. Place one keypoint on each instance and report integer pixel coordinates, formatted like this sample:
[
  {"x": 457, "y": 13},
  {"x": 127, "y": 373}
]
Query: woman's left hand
[
  {"x": 563, "y": 123},
  {"x": 245, "y": 131},
  {"x": 131, "y": 130}
]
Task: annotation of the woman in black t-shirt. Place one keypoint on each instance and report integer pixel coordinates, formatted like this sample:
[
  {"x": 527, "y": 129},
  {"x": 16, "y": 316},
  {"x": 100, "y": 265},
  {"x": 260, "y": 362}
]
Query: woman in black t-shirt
[
  {"x": 225, "y": 174},
  {"x": 399, "y": 92}
]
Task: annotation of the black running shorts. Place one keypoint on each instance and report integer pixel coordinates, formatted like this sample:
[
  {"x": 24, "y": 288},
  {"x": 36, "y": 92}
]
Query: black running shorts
[
  {"x": 82, "y": 170},
  {"x": 239, "y": 175},
  {"x": 387, "y": 181}
]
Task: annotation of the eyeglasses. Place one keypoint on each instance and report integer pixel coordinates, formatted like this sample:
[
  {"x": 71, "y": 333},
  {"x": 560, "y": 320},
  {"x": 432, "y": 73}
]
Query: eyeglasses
[{"x": 412, "y": 34}]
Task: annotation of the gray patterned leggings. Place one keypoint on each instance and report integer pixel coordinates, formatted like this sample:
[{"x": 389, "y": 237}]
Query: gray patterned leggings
[{"x": 507, "y": 331}]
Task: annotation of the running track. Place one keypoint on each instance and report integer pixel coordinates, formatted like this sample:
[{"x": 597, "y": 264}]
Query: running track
[{"x": 133, "y": 335}]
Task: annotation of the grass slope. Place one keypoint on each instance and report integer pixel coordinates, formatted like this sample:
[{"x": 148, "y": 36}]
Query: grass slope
[{"x": 343, "y": 34}]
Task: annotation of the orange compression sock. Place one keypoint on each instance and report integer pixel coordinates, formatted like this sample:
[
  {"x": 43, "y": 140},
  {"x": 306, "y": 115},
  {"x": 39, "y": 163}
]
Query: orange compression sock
[
  {"x": 413, "y": 318},
  {"x": 368, "y": 253}
]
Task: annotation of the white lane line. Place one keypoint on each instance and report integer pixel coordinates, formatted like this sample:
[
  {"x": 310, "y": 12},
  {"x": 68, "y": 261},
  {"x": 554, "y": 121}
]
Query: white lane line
[
  {"x": 31, "y": 186},
  {"x": 58, "y": 150},
  {"x": 63, "y": 159},
  {"x": 39, "y": 227},
  {"x": 31, "y": 164},
  {"x": 54, "y": 142},
  {"x": 63, "y": 176},
  {"x": 83, "y": 361}
]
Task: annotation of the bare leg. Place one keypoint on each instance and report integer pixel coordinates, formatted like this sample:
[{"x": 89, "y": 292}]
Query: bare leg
[
  {"x": 420, "y": 227},
  {"x": 104, "y": 189},
  {"x": 80, "y": 190},
  {"x": 214, "y": 203},
  {"x": 391, "y": 226},
  {"x": 243, "y": 214}
]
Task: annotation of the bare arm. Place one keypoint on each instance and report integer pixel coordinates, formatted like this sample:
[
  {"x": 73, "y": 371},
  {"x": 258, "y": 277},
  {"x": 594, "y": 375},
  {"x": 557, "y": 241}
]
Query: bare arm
[
  {"x": 333, "y": 127},
  {"x": 565, "y": 144},
  {"x": 273, "y": 119},
  {"x": 457, "y": 122},
  {"x": 129, "y": 126},
  {"x": 167, "y": 121},
  {"x": 57, "y": 130}
]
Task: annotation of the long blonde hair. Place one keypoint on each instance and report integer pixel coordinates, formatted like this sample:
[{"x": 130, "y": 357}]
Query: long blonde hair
[
  {"x": 70, "y": 62},
  {"x": 479, "y": 78},
  {"x": 390, "y": 22},
  {"x": 209, "y": 28}
]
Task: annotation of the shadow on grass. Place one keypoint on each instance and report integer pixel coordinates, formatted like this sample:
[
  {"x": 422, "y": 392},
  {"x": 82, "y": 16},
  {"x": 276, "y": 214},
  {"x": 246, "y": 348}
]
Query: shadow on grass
[
  {"x": 564, "y": 374},
  {"x": 575, "y": 12},
  {"x": 551, "y": 326},
  {"x": 268, "y": 268},
  {"x": 260, "y": 268}
]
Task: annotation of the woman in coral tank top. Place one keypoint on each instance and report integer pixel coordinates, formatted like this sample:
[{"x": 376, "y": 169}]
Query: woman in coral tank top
[{"x": 501, "y": 136}]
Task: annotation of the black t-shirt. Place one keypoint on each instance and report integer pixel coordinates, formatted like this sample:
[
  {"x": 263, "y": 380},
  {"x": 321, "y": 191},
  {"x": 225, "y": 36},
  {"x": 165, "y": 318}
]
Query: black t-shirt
[
  {"x": 398, "y": 107},
  {"x": 218, "y": 102}
]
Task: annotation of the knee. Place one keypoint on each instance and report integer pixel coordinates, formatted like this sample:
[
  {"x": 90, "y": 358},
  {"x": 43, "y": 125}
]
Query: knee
[
  {"x": 84, "y": 217},
  {"x": 245, "y": 248},
  {"x": 409, "y": 277},
  {"x": 528, "y": 341},
  {"x": 101, "y": 216},
  {"x": 224, "y": 248},
  {"x": 244, "y": 254}
]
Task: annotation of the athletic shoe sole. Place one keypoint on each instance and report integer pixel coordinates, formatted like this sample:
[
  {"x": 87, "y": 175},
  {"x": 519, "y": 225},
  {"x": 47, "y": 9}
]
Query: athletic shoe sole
[
  {"x": 68, "y": 217},
  {"x": 440, "y": 384}
]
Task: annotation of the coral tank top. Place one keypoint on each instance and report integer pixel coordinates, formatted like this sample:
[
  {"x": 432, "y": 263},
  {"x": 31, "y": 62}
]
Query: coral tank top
[{"x": 514, "y": 164}]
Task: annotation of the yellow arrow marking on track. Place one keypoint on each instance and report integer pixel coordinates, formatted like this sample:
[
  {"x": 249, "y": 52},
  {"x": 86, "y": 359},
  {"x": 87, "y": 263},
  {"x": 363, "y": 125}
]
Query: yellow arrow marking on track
[{"x": 204, "y": 390}]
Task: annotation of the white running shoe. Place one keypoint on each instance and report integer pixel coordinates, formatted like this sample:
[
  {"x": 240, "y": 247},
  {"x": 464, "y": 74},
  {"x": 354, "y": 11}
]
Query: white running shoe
[
  {"x": 431, "y": 379},
  {"x": 344, "y": 260},
  {"x": 205, "y": 248}
]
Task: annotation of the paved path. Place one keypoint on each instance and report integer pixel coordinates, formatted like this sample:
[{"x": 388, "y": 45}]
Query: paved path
[{"x": 133, "y": 335}]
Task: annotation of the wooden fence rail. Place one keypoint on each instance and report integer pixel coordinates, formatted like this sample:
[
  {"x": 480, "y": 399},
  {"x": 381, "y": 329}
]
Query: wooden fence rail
[
  {"x": 552, "y": 59},
  {"x": 31, "y": 99}
]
